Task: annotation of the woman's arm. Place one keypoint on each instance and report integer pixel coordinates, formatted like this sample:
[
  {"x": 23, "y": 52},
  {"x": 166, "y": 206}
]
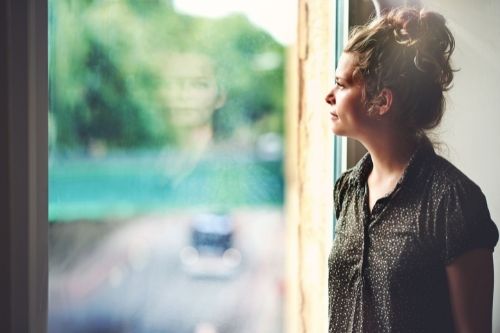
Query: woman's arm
[{"x": 470, "y": 280}]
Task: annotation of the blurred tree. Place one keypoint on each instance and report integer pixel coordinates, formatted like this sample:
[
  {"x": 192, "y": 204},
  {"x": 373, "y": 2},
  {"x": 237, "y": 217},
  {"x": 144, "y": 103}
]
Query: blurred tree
[{"x": 104, "y": 75}]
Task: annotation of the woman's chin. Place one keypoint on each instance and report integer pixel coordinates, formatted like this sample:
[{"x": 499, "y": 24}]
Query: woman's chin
[{"x": 337, "y": 131}]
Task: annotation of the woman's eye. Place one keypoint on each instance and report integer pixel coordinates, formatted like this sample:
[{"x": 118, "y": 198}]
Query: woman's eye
[{"x": 338, "y": 84}]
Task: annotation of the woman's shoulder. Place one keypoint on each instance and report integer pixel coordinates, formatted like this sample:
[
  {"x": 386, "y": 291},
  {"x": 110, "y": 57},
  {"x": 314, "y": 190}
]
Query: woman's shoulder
[
  {"x": 344, "y": 180},
  {"x": 447, "y": 177},
  {"x": 340, "y": 189},
  {"x": 351, "y": 177},
  {"x": 348, "y": 182},
  {"x": 460, "y": 201},
  {"x": 462, "y": 218}
]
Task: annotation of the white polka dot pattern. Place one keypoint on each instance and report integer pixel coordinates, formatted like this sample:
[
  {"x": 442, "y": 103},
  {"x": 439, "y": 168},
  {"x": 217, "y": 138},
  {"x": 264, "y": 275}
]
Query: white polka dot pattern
[{"x": 387, "y": 267}]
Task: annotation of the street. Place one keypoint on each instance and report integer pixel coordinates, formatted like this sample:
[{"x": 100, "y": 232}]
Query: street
[{"x": 127, "y": 276}]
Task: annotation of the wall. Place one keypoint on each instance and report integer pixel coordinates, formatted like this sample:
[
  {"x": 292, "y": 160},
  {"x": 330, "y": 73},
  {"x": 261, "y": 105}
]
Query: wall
[
  {"x": 471, "y": 128},
  {"x": 309, "y": 170}
]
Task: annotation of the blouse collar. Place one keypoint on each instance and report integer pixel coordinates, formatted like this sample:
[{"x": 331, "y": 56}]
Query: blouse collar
[{"x": 423, "y": 151}]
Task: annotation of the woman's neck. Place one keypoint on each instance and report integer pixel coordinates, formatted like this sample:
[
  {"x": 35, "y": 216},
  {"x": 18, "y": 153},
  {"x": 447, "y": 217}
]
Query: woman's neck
[
  {"x": 390, "y": 154},
  {"x": 195, "y": 139}
]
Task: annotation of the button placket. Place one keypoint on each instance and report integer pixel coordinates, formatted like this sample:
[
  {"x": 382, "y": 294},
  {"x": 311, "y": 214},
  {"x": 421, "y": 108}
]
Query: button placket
[{"x": 366, "y": 221}]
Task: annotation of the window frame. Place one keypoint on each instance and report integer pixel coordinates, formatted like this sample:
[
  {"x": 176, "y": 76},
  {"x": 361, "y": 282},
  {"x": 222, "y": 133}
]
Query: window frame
[
  {"x": 24, "y": 126},
  {"x": 339, "y": 143}
]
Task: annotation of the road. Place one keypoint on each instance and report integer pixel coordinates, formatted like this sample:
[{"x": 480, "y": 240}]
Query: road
[{"x": 128, "y": 277}]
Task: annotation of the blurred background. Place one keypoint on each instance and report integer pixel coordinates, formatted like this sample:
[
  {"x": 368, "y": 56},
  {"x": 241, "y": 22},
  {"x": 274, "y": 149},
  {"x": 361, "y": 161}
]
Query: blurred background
[{"x": 166, "y": 166}]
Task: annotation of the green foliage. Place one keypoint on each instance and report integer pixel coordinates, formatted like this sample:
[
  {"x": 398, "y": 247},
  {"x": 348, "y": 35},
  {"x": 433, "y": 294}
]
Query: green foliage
[{"x": 105, "y": 60}]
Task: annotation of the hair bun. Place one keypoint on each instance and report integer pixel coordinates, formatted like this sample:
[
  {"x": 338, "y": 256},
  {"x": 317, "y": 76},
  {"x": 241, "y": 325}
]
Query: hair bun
[
  {"x": 427, "y": 34},
  {"x": 406, "y": 25},
  {"x": 407, "y": 51}
]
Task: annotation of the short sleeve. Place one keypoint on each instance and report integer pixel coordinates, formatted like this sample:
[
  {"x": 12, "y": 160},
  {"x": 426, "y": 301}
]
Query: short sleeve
[{"x": 465, "y": 221}]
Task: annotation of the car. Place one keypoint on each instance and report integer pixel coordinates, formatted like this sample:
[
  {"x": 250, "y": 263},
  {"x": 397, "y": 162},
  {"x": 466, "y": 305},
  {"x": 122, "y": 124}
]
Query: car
[{"x": 211, "y": 250}]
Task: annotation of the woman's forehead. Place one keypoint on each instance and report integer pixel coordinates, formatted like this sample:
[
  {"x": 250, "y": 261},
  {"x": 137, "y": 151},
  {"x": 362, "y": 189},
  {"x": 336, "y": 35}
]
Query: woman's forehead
[
  {"x": 346, "y": 66},
  {"x": 189, "y": 65}
]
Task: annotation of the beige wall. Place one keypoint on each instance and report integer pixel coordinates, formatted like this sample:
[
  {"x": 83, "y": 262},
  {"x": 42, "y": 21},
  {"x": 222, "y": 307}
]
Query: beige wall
[
  {"x": 471, "y": 128},
  {"x": 309, "y": 170}
]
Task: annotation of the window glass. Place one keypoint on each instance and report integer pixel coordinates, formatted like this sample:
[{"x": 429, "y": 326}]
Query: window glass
[{"x": 165, "y": 168}]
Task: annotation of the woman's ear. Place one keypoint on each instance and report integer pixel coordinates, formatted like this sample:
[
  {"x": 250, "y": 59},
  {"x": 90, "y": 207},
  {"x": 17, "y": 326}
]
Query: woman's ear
[{"x": 384, "y": 102}]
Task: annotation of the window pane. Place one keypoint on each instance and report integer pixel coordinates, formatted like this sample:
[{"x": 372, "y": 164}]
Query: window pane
[{"x": 165, "y": 169}]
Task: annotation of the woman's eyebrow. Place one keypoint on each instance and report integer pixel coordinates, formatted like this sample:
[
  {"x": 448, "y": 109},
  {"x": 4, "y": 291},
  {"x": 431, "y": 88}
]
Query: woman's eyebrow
[{"x": 341, "y": 78}]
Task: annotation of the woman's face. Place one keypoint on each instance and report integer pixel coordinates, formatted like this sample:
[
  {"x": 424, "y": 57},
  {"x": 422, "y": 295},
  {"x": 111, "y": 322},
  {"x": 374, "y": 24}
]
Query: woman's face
[
  {"x": 190, "y": 90},
  {"x": 348, "y": 114}
]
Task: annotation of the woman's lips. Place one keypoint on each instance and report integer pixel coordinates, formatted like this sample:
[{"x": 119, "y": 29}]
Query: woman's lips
[{"x": 334, "y": 116}]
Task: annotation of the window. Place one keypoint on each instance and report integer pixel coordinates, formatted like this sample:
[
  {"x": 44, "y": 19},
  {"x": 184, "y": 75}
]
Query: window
[
  {"x": 165, "y": 170},
  {"x": 25, "y": 235}
]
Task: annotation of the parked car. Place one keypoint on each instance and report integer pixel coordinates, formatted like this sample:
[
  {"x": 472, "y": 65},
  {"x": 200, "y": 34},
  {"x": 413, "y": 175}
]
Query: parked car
[{"x": 211, "y": 250}]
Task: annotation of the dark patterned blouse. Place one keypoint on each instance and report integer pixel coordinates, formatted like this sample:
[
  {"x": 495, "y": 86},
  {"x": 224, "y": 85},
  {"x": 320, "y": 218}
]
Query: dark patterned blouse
[{"x": 387, "y": 268}]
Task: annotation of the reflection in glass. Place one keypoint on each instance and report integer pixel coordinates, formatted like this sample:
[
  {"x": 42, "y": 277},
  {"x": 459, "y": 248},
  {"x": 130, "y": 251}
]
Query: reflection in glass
[
  {"x": 165, "y": 171},
  {"x": 191, "y": 95}
]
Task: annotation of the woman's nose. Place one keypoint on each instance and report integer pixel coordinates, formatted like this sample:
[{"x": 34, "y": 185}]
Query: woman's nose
[{"x": 330, "y": 98}]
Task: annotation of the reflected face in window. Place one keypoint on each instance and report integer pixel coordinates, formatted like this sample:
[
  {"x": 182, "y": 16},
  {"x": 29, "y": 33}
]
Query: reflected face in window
[{"x": 190, "y": 89}]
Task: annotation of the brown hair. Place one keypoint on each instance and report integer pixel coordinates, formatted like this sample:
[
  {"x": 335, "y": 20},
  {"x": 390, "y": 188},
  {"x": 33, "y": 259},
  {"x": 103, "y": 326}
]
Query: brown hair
[{"x": 407, "y": 51}]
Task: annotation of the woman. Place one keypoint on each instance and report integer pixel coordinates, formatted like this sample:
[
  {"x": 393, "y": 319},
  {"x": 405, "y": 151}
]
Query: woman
[
  {"x": 414, "y": 238},
  {"x": 192, "y": 96}
]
